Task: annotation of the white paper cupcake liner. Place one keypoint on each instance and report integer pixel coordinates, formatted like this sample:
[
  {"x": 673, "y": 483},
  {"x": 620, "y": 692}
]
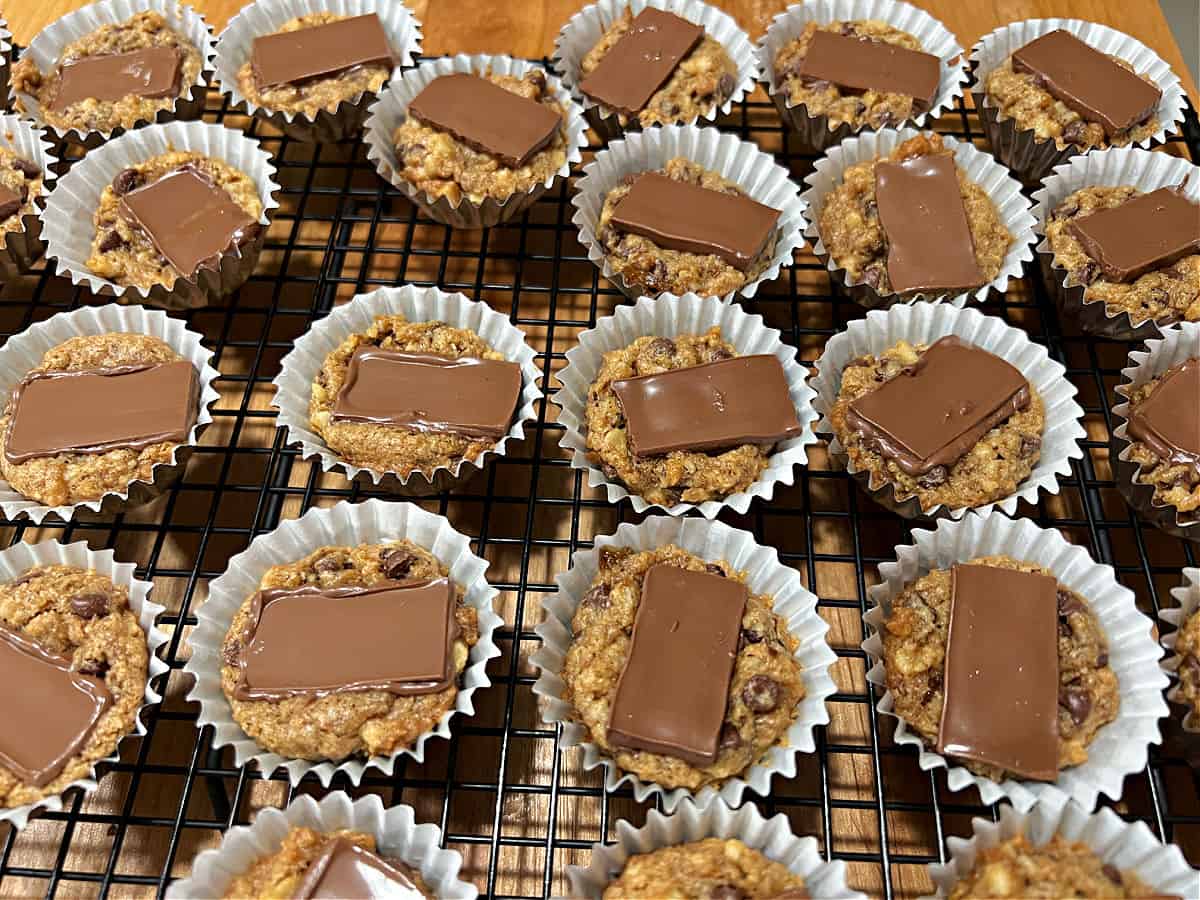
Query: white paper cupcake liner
[
  {"x": 754, "y": 171},
  {"x": 1032, "y": 159},
  {"x": 1120, "y": 748},
  {"x": 669, "y": 316},
  {"x": 1176, "y": 346},
  {"x": 391, "y": 109},
  {"x": 1130, "y": 846},
  {"x": 772, "y": 837},
  {"x": 1114, "y": 167},
  {"x": 300, "y": 368},
  {"x": 23, "y": 352},
  {"x": 68, "y": 228},
  {"x": 584, "y": 29},
  {"x": 814, "y": 131},
  {"x": 47, "y": 47},
  {"x": 397, "y": 836},
  {"x": 344, "y": 525},
  {"x": 1012, "y": 206},
  {"x": 268, "y": 16},
  {"x": 1188, "y": 595},
  {"x": 22, "y": 248},
  {"x": 925, "y": 323},
  {"x": 765, "y": 574},
  {"x": 20, "y": 558}
]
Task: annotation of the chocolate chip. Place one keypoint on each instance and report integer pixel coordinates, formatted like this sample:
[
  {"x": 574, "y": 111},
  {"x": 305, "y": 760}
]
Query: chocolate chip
[
  {"x": 10, "y": 207},
  {"x": 1112, "y": 873},
  {"x": 1068, "y": 603},
  {"x": 934, "y": 477},
  {"x": 610, "y": 557},
  {"x": 714, "y": 569},
  {"x": 231, "y": 653},
  {"x": 726, "y": 892},
  {"x": 1029, "y": 446},
  {"x": 1065, "y": 210},
  {"x": 125, "y": 181},
  {"x": 1076, "y": 701},
  {"x": 89, "y": 605},
  {"x": 750, "y": 636},
  {"x": 95, "y": 667},
  {"x": 598, "y": 596},
  {"x": 716, "y": 354},
  {"x": 1076, "y": 132},
  {"x": 673, "y": 495},
  {"x": 111, "y": 241},
  {"x": 537, "y": 78},
  {"x": 327, "y": 565},
  {"x": 398, "y": 563},
  {"x": 1087, "y": 273},
  {"x": 848, "y": 29},
  {"x": 661, "y": 346},
  {"x": 610, "y": 472},
  {"x": 871, "y": 210},
  {"x": 761, "y": 694},
  {"x": 887, "y": 118},
  {"x": 873, "y": 275},
  {"x": 656, "y": 278},
  {"x": 730, "y": 738},
  {"x": 1102, "y": 659},
  {"x": 1064, "y": 630},
  {"x": 725, "y": 86},
  {"x": 629, "y": 179},
  {"x": 816, "y": 84},
  {"x": 28, "y": 169},
  {"x": 1189, "y": 670}
]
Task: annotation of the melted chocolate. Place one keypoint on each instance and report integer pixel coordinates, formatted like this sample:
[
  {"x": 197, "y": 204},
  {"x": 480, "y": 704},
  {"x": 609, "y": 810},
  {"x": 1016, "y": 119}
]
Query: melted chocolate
[
  {"x": 97, "y": 410},
  {"x": 392, "y": 636},
  {"x": 1168, "y": 420},
  {"x": 672, "y": 693},
  {"x": 1088, "y": 81},
  {"x": 153, "y": 72},
  {"x": 641, "y": 61},
  {"x": 1001, "y": 671},
  {"x": 10, "y": 202},
  {"x": 864, "y": 65},
  {"x": 930, "y": 248},
  {"x": 486, "y": 117},
  {"x": 48, "y": 711},
  {"x": 678, "y": 215},
  {"x": 345, "y": 871},
  {"x": 713, "y": 406},
  {"x": 293, "y": 57},
  {"x": 1143, "y": 233},
  {"x": 936, "y": 410}
]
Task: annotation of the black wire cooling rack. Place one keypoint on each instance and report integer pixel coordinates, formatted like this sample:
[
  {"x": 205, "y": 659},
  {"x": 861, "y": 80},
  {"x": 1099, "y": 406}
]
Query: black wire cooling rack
[{"x": 517, "y": 808}]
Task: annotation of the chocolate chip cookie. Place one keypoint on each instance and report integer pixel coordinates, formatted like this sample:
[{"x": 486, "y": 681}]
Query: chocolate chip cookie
[
  {"x": 20, "y": 185},
  {"x": 713, "y": 867},
  {"x": 1187, "y": 645}
]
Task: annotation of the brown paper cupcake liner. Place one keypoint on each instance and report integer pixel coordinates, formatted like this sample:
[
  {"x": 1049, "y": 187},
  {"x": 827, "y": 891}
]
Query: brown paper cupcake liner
[
  {"x": 23, "y": 247},
  {"x": 1188, "y": 595}
]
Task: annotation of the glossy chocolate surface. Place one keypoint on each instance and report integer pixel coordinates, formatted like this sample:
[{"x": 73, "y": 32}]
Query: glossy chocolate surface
[
  {"x": 152, "y": 72},
  {"x": 863, "y": 65},
  {"x": 1143, "y": 233},
  {"x": 345, "y": 871},
  {"x": 294, "y": 57},
  {"x": 1168, "y": 420}
]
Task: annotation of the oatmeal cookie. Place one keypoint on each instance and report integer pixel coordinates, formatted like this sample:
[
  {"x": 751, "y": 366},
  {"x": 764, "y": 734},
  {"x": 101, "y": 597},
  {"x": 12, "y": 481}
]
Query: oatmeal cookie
[
  {"x": 914, "y": 650},
  {"x": 853, "y": 234},
  {"x": 84, "y": 616},
  {"x": 683, "y": 475},
  {"x": 76, "y": 477},
  {"x": 442, "y": 166},
  {"x": 713, "y": 867},
  {"x": 704, "y": 79},
  {"x": 991, "y": 470},
  {"x": 123, "y": 253},
  {"x": 1059, "y": 868},
  {"x": 1187, "y": 645},
  {"x": 142, "y": 31},
  {"x": 387, "y": 448},
  {"x": 652, "y": 269},
  {"x": 873, "y": 109},
  {"x": 340, "y": 725},
  {"x": 1175, "y": 485},
  {"x": 767, "y": 682},
  {"x": 23, "y": 178},
  {"x": 280, "y": 873},
  {"x": 1165, "y": 295}
]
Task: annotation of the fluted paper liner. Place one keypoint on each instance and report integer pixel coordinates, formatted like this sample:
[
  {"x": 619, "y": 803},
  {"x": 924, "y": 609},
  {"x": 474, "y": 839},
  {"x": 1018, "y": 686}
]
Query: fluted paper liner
[
  {"x": 23, "y": 247},
  {"x": 1020, "y": 149},
  {"x": 814, "y": 131},
  {"x": 1012, "y": 208},
  {"x": 68, "y": 229},
  {"x": 300, "y": 368},
  {"x": 1126, "y": 845},
  {"x": 754, "y": 171},
  {"x": 265, "y": 17},
  {"x": 1120, "y": 748},
  {"x": 344, "y": 525},
  {"x": 397, "y": 836},
  {"x": 765, "y": 574},
  {"x": 1114, "y": 167},
  {"x": 1188, "y": 595},
  {"x": 20, "y": 558},
  {"x": 391, "y": 109},
  {"x": 24, "y": 352},
  {"x": 584, "y": 29},
  {"x": 1177, "y": 345},
  {"x": 772, "y": 837},
  {"x": 925, "y": 323},
  {"x": 669, "y": 316},
  {"x": 48, "y": 46}
]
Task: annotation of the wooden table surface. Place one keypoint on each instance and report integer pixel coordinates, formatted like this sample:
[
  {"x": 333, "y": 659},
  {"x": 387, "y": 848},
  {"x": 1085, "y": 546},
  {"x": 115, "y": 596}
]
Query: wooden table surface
[{"x": 527, "y": 27}]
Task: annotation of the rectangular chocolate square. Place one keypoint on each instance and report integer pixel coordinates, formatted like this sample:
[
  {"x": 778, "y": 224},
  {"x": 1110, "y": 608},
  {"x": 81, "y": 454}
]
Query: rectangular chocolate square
[
  {"x": 190, "y": 220},
  {"x": 863, "y": 65},
  {"x": 486, "y": 117},
  {"x": 930, "y": 248},
  {"x": 1143, "y": 233},
  {"x": 151, "y": 72},
  {"x": 678, "y": 215},
  {"x": 425, "y": 392},
  {"x": 345, "y": 870},
  {"x": 92, "y": 411},
  {"x": 1001, "y": 671},
  {"x": 641, "y": 61},
  {"x": 672, "y": 693},
  {"x": 1168, "y": 420},
  {"x": 292, "y": 57},
  {"x": 1088, "y": 81},
  {"x": 934, "y": 412},
  {"x": 744, "y": 400}
]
